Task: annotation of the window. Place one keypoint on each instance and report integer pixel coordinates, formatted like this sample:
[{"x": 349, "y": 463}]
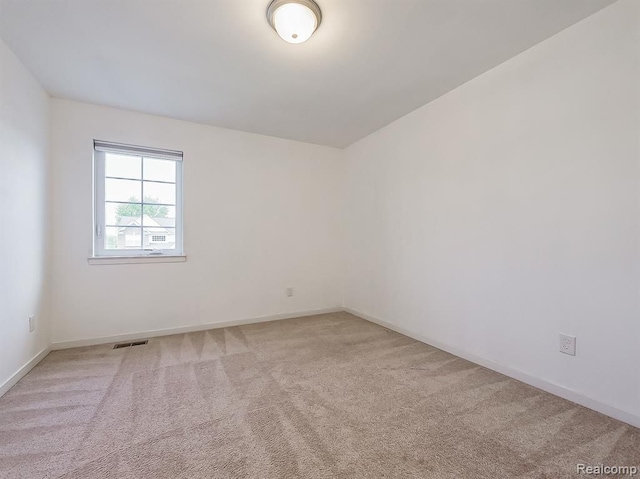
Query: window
[{"x": 138, "y": 200}]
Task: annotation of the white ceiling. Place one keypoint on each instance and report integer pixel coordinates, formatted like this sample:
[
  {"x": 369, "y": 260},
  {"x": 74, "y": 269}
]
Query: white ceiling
[{"x": 219, "y": 62}]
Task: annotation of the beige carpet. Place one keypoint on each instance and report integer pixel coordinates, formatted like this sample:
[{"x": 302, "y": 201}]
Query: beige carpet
[{"x": 326, "y": 396}]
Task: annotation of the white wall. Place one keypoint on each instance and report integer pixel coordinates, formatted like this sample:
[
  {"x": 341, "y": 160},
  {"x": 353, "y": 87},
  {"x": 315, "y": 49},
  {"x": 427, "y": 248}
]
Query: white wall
[
  {"x": 506, "y": 212},
  {"x": 24, "y": 215},
  {"x": 261, "y": 214}
]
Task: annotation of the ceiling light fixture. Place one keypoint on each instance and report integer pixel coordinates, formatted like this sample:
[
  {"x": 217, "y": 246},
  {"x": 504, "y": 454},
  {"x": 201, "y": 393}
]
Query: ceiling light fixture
[{"x": 294, "y": 20}]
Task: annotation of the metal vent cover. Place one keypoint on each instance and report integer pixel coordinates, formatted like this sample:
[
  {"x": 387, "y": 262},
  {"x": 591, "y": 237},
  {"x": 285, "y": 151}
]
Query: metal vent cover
[{"x": 128, "y": 345}]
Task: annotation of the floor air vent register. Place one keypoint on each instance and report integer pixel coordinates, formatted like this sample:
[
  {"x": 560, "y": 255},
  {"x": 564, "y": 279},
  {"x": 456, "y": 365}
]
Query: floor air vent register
[{"x": 128, "y": 345}]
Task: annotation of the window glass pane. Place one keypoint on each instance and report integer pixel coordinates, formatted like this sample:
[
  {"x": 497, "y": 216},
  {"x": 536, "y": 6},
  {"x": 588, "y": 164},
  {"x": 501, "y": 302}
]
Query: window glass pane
[
  {"x": 111, "y": 238},
  {"x": 159, "y": 215},
  {"x": 159, "y": 193},
  {"x": 122, "y": 190},
  {"x": 122, "y": 238},
  {"x": 123, "y": 213},
  {"x": 130, "y": 237},
  {"x": 122, "y": 166},
  {"x": 160, "y": 170},
  {"x": 159, "y": 238}
]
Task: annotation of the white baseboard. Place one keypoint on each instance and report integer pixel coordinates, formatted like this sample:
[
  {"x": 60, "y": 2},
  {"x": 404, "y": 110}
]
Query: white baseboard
[
  {"x": 9, "y": 383},
  {"x": 534, "y": 381},
  {"x": 188, "y": 329}
]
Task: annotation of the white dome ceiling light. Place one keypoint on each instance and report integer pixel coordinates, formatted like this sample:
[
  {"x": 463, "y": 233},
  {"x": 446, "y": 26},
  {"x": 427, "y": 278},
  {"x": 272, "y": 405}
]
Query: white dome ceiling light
[{"x": 294, "y": 20}]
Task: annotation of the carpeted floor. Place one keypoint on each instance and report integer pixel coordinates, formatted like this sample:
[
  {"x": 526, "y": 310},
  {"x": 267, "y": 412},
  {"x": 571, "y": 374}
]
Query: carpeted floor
[{"x": 327, "y": 396}]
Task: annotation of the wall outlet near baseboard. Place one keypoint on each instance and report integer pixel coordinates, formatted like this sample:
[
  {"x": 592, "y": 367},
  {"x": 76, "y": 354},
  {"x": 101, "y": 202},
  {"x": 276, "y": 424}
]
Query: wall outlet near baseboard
[
  {"x": 568, "y": 344},
  {"x": 32, "y": 324},
  {"x": 289, "y": 291}
]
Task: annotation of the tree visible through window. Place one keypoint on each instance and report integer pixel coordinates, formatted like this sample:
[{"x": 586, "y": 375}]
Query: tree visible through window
[{"x": 135, "y": 209}]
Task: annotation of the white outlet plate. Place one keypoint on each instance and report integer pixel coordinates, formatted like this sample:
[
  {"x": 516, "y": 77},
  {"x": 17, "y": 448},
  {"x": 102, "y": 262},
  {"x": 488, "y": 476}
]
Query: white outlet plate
[
  {"x": 568, "y": 344},
  {"x": 289, "y": 292},
  {"x": 32, "y": 324}
]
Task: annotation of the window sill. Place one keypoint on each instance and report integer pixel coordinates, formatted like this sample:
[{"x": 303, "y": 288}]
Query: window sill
[{"x": 137, "y": 259}]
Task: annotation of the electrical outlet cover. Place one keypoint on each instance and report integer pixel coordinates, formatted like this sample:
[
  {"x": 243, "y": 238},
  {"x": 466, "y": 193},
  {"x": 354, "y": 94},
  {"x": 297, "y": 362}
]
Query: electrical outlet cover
[{"x": 568, "y": 344}]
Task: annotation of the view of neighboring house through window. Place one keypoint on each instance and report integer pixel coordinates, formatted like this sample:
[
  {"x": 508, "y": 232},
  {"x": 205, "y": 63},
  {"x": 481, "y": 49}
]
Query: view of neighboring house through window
[{"x": 138, "y": 200}]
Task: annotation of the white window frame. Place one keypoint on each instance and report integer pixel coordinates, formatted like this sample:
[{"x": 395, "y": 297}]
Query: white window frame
[{"x": 99, "y": 150}]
